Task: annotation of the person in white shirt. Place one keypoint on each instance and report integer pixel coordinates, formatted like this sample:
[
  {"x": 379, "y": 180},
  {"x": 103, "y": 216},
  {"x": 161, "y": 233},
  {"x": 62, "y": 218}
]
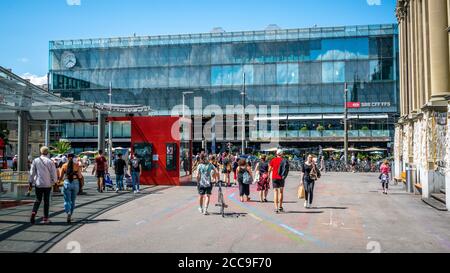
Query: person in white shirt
[{"x": 43, "y": 175}]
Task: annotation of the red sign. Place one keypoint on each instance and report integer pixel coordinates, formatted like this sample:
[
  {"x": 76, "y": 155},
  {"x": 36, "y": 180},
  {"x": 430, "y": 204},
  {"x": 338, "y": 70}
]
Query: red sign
[{"x": 353, "y": 105}]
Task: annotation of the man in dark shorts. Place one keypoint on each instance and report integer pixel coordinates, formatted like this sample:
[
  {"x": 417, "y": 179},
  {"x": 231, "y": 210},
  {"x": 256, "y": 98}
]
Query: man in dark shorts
[
  {"x": 120, "y": 166},
  {"x": 277, "y": 181},
  {"x": 100, "y": 168}
]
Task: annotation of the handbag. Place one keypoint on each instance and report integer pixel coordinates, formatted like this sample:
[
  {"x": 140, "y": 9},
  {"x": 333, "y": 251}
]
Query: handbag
[
  {"x": 313, "y": 174},
  {"x": 301, "y": 192}
]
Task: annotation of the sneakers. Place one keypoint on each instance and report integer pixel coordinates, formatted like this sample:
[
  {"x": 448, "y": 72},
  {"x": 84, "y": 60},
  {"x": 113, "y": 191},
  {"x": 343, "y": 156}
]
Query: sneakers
[
  {"x": 277, "y": 211},
  {"x": 206, "y": 213},
  {"x": 200, "y": 210},
  {"x": 69, "y": 219},
  {"x": 306, "y": 204},
  {"x": 281, "y": 209},
  {"x": 33, "y": 218},
  {"x": 47, "y": 221},
  {"x": 117, "y": 190}
]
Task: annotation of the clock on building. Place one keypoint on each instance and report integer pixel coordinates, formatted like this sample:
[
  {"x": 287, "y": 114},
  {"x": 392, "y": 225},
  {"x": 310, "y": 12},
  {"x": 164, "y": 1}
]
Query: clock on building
[{"x": 68, "y": 60}]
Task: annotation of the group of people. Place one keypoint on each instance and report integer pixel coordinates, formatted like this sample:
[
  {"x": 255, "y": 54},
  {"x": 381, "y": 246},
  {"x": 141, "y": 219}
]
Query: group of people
[
  {"x": 264, "y": 173},
  {"x": 45, "y": 175}
]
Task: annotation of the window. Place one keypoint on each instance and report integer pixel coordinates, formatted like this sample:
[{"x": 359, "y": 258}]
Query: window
[{"x": 333, "y": 72}]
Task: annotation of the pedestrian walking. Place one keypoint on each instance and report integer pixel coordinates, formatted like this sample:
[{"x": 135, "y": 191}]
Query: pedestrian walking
[
  {"x": 226, "y": 169},
  {"x": 119, "y": 168},
  {"x": 43, "y": 175},
  {"x": 310, "y": 174},
  {"x": 71, "y": 175},
  {"x": 205, "y": 174},
  {"x": 385, "y": 170},
  {"x": 136, "y": 172},
  {"x": 100, "y": 169},
  {"x": 245, "y": 179},
  {"x": 263, "y": 185},
  {"x": 278, "y": 172}
]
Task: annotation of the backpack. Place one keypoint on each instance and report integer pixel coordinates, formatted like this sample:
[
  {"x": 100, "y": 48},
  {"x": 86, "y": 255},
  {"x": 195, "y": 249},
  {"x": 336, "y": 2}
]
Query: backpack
[
  {"x": 283, "y": 170},
  {"x": 135, "y": 163},
  {"x": 205, "y": 176},
  {"x": 247, "y": 178}
]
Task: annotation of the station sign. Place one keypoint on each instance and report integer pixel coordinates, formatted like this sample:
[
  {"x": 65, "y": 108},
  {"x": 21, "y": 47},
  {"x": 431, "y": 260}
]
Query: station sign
[{"x": 353, "y": 105}]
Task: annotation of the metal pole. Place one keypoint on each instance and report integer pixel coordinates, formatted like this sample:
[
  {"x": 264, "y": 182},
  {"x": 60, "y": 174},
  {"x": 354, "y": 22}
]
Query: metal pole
[
  {"x": 47, "y": 133},
  {"x": 183, "y": 105},
  {"x": 243, "y": 119},
  {"x": 345, "y": 125},
  {"x": 110, "y": 127}
]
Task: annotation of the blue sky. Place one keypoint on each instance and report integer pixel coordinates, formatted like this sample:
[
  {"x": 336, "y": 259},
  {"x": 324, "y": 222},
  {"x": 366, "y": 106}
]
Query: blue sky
[{"x": 26, "y": 26}]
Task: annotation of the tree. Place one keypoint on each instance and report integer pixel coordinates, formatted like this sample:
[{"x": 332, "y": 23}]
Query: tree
[{"x": 61, "y": 147}]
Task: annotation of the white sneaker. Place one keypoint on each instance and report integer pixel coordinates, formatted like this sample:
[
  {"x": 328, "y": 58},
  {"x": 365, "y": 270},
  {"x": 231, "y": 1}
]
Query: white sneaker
[
  {"x": 309, "y": 206},
  {"x": 200, "y": 210},
  {"x": 306, "y": 204},
  {"x": 205, "y": 212}
]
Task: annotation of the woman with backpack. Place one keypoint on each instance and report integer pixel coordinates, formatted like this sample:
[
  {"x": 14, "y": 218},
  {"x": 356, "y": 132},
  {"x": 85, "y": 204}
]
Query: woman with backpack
[
  {"x": 311, "y": 174},
  {"x": 385, "y": 170},
  {"x": 245, "y": 179},
  {"x": 71, "y": 174},
  {"x": 205, "y": 174},
  {"x": 262, "y": 168}
]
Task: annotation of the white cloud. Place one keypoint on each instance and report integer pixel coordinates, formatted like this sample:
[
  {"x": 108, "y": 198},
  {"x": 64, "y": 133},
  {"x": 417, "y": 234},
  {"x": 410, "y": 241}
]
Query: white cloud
[
  {"x": 73, "y": 2},
  {"x": 374, "y": 2},
  {"x": 36, "y": 80},
  {"x": 23, "y": 60}
]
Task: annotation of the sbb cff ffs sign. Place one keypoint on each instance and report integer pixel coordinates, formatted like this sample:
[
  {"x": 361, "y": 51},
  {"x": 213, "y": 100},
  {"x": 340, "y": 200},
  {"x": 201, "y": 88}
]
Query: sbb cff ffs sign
[{"x": 353, "y": 105}]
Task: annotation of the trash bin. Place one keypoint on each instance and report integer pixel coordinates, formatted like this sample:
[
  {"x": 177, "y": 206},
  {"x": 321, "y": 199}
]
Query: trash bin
[{"x": 411, "y": 177}]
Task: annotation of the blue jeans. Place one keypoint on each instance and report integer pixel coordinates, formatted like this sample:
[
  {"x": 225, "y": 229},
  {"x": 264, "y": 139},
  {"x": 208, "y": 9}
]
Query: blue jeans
[
  {"x": 135, "y": 178},
  {"x": 70, "y": 191},
  {"x": 119, "y": 181}
]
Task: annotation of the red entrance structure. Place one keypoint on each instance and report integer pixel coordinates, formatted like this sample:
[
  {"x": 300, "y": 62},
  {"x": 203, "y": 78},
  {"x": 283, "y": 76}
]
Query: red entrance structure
[
  {"x": 3, "y": 159},
  {"x": 166, "y": 158}
]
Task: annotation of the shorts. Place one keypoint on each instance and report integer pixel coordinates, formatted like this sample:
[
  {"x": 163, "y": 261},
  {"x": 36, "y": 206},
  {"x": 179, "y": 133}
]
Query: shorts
[
  {"x": 278, "y": 183},
  {"x": 204, "y": 190},
  {"x": 100, "y": 174}
]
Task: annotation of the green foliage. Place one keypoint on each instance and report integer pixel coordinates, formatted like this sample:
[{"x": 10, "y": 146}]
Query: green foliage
[
  {"x": 304, "y": 128},
  {"x": 364, "y": 128},
  {"x": 61, "y": 147},
  {"x": 320, "y": 128}
]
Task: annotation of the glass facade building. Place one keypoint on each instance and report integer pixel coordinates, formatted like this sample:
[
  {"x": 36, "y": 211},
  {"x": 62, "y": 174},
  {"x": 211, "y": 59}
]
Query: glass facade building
[{"x": 303, "y": 71}]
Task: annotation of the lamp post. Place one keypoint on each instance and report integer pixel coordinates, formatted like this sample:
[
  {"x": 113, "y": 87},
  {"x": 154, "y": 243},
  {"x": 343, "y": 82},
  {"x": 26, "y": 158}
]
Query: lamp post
[
  {"x": 243, "y": 116},
  {"x": 110, "y": 126},
  {"x": 345, "y": 124}
]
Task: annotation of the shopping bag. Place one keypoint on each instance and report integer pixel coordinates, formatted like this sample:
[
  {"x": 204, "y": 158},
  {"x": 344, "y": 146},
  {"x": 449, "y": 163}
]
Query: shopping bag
[{"x": 301, "y": 192}]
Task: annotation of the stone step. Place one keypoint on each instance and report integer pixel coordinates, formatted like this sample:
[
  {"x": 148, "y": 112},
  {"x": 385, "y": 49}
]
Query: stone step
[
  {"x": 439, "y": 197},
  {"x": 435, "y": 204},
  {"x": 443, "y": 190}
]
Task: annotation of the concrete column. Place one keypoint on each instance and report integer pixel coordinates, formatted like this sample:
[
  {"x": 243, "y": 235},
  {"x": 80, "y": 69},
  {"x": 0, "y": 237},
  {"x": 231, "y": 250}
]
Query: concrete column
[
  {"x": 409, "y": 57},
  {"x": 22, "y": 141},
  {"x": 405, "y": 66},
  {"x": 401, "y": 49},
  {"x": 439, "y": 52},
  {"x": 426, "y": 51},
  {"x": 421, "y": 74},
  {"x": 101, "y": 120}
]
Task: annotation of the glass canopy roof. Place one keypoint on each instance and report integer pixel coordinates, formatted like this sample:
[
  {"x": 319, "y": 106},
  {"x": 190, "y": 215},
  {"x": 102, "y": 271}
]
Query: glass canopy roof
[{"x": 17, "y": 94}]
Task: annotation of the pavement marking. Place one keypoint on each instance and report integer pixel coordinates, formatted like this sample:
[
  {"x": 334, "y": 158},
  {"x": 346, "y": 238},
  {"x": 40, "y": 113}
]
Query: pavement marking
[
  {"x": 141, "y": 222},
  {"x": 255, "y": 217},
  {"x": 277, "y": 224}
]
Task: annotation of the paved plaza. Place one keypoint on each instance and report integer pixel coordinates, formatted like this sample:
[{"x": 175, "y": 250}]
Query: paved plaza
[{"x": 350, "y": 215}]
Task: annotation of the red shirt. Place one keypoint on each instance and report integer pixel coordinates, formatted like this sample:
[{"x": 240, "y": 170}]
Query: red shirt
[
  {"x": 101, "y": 162},
  {"x": 275, "y": 164}
]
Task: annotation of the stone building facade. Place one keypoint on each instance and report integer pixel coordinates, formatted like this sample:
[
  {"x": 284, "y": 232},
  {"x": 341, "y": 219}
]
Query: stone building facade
[{"x": 422, "y": 136}]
